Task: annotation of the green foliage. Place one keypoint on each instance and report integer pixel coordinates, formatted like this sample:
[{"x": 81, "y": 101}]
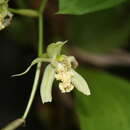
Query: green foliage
[
  {"x": 101, "y": 31},
  {"x": 108, "y": 106},
  {"x": 86, "y": 6},
  {"x": 35, "y": 61}
]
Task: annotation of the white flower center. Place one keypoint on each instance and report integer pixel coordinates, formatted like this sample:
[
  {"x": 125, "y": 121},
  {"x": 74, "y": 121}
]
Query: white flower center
[{"x": 64, "y": 74}]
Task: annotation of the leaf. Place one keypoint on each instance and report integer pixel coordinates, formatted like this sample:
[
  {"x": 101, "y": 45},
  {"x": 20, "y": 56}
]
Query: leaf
[
  {"x": 46, "y": 84},
  {"x": 108, "y": 106},
  {"x": 79, "y": 7},
  {"x": 35, "y": 61},
  {"x": 54, "y": 49},
  {"x": 102, "y": 31},
  {"x": 79, "y": 82}
]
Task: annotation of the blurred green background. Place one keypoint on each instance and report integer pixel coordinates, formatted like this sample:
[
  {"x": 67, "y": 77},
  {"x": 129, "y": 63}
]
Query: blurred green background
[{"x": 98, "y": 34}]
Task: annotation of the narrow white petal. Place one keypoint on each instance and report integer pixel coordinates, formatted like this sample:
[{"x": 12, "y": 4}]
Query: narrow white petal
[
  {"x": 79, "y": 82},
  {"x": 46, "y": 84}
]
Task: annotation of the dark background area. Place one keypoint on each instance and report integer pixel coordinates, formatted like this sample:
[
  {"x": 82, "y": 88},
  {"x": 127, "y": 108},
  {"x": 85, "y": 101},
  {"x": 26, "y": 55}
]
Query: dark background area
[{"x": 18, "y": 47}]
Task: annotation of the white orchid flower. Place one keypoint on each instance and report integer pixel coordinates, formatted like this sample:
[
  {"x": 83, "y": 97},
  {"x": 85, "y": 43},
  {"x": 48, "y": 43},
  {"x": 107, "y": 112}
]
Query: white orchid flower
[{"x": 61, "y": 68}]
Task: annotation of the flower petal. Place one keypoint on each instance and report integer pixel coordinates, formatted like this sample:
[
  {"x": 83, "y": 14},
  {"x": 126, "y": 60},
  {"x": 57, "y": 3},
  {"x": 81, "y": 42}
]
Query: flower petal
[
  {"x": 79, "y": 82},
  {"x": 46, "y": 84}
]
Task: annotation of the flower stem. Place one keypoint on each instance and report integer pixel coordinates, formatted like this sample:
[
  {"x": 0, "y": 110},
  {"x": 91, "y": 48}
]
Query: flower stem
[
  {"x": 31, "y": 13},
  {"x": 42, "y": 6},
  {"x": 40, "y": 51},
  {"x": 34, "y": 88},
  {"x": 25, "y": 12},
  {"x": 41, "y": 9},
  {"x": 40, "y": 26},
  {"x": 14, "y": 124}
]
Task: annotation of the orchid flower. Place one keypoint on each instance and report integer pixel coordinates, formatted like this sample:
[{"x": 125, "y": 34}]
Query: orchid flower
[{"x": 62, "y": 68}]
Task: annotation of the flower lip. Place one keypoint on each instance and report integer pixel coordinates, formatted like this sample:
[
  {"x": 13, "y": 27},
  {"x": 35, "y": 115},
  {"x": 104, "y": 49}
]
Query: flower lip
[
  {"x": 64, "y": 74},
  {"x": 68, "y": 77}
]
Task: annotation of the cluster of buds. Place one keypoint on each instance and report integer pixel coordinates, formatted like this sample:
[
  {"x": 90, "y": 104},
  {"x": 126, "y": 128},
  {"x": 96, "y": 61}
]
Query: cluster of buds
[
  {"x": 5, "y": 20},
  {"x": 5, "y": 15}
]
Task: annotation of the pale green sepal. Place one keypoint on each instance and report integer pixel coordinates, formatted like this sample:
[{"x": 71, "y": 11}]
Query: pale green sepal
[
  {"x": 73, "y": 61},
  {"x": 35, "y": 61},
  {"x": 79, "y": 82},
  {"x": 54, "y": 49},
  {"x": 46, "y": 84}
]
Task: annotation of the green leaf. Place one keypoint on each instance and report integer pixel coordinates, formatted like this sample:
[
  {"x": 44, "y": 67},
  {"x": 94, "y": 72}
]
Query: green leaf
[
  {"x": 46, "y": 84},
  {"x": 54, "y": 49},
  {"x": 108, "y": 106},
  {"x": 102, "y": 31},
  {"x": 79, "y": 82},
  {"x": 86, "y": 6}
]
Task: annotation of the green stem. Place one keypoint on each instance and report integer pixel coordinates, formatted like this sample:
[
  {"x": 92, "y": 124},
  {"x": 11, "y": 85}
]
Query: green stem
[
  {"x": 40, "y": 49},
  {"x": 41, "y": 9},
  {"x": 25, "y": 12},
  {"x": 14, "y": 124},
  {"x": 40, "y": 26},
  {"x": 31, "y": 13},
  {"x": 42, "y": 6},
  {"x": 34, "y": 88}
]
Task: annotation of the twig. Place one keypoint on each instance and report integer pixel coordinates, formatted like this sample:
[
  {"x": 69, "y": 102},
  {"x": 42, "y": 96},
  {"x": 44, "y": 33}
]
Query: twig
[
  {"x": 14, "y": 124},
  {"x": 117, "y": 58}
]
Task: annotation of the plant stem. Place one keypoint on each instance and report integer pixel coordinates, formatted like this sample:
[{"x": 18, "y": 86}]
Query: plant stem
[
  {"x": 41, "y": 9},
  {"x": 34, "y": 88},
  {"x": 25, "y": 12},
  {"x": 40, "y": 51},
  {"x": 40, "y": 26},
  {"x": 42, "y": 6},
  {"x": 13, "y": 125}
]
